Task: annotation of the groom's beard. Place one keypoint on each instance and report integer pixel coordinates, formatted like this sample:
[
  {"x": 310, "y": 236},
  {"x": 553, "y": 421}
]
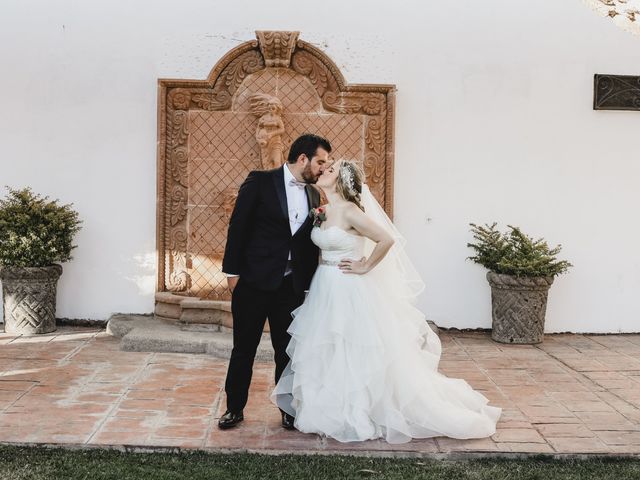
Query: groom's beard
[{"x": 308, "y": 176}]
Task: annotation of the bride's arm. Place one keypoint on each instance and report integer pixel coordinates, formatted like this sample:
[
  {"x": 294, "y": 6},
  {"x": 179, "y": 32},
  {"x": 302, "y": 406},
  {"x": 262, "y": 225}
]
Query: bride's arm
[{"x": 367, "y": 228}]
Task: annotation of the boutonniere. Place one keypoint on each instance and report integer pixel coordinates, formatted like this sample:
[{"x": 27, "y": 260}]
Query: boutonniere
[{"x": 319, "y": 215}]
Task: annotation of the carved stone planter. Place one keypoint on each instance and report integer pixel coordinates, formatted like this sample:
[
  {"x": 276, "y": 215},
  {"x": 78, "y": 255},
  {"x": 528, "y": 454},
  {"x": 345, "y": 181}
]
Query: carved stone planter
[
  {"x": 518, "y": 305},
  {"x": 29, "y": 299}
]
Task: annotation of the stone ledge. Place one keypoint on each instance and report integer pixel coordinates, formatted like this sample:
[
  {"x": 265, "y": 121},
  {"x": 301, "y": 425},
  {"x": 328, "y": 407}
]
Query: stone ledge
[
  {"x": 192, "y": 302},
  {"x": 168, "y": 297},
  {"x": 139, "y": 333}
]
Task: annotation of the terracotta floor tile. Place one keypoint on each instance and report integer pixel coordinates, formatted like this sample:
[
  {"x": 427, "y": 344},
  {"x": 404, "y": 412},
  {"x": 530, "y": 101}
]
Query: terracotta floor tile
[
  {"x": 277, "y": 438},
  {"x": 129, "y": 424},
  {"x": 619, "y": 437},
  {"x": 120, "y": 438},
  {"x": 624, "y": 449},
  {"x": 573, "y": 387},
  {"x": 561, "y": 397},
  {"x": 241, "y": 437},
  {"x": 572, "y": 430},
  {"x": 421, "y": 445},
  {"x": 182, "y": 431},
  {"x": 455, "y": 445},
  {"x": 602, "y": 418},
  {"x": 175, "y": 442},
  {"x": 587, "y": 406},
  {"x": 15, "y": 386},
  {"x": 556, "y": 411},
  {"x": 522, "y": 435},
  {"x": 578, "y": 445},
  {"x": 502, "y": 424},
  {"x": 522, "y": 447}
]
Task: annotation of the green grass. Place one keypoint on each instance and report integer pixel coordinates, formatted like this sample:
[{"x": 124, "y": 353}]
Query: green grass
[{"x": 17, "y": 463}]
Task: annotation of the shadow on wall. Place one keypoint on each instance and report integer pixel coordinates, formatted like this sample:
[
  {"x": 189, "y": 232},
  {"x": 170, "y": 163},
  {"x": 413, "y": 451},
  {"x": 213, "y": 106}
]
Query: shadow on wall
[{"x": 144, "y": 272}]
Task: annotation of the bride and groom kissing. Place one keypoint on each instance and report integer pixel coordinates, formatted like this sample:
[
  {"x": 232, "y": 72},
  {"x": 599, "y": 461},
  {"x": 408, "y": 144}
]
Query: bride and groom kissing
[{"x": 354, "y": 358}]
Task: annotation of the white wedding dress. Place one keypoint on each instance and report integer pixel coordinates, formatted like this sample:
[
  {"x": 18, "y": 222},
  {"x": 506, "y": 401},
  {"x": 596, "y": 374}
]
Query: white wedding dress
[{"x": 364, "y": 362}]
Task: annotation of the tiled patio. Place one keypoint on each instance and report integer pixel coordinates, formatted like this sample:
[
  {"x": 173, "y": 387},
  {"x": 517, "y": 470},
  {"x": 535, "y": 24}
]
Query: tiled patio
[{"x": 572, "y": 394}]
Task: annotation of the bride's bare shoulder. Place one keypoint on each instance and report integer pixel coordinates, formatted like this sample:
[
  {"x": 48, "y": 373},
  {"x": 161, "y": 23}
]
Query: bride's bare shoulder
[{"x": 351, "y": 209}]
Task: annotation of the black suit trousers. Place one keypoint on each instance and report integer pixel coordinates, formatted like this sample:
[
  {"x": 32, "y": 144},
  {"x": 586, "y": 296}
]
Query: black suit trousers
[{"x": 250, "y": 308}]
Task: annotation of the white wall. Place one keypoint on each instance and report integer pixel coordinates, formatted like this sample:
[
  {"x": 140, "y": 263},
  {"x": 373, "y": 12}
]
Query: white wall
[{"x": 494, "y": 124}]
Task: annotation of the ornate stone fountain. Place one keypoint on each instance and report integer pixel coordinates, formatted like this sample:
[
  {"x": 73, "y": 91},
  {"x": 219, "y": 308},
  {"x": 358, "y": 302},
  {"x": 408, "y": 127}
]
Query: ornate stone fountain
[{"x": 211, "y": 133}]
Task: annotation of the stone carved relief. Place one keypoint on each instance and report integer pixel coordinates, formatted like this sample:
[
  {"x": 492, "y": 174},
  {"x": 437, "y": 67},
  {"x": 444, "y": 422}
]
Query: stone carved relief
[
  {"x": 256, "y": 100},
  {"x": 175, "y": 198},
  {"x": 277, "y": 47},
  {"x": 373, "y": 161},
  {"x": 270, "y": 129}
]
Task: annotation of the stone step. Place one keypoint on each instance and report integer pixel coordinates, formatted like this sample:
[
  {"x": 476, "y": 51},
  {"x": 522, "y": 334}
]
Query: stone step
[
  {"x": 194, "y": 310},
  {"x": 146, "y": 333}
]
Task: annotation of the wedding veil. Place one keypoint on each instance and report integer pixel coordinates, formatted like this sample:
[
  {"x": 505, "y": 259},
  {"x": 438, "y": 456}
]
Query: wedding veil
[{"x": 395, "y": 273}]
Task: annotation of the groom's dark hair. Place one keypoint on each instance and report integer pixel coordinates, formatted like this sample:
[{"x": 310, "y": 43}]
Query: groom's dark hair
[{"x": 307, "y": 144}]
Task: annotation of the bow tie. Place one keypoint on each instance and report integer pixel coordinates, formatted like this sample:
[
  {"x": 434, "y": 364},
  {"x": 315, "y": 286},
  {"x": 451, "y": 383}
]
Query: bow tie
[{"x": 294, "y": 183}]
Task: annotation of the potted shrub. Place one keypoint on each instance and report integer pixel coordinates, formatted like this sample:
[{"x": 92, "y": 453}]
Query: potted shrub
[
  {"x": 35, "y": 233},
  {"x": 521, "y": 270}
]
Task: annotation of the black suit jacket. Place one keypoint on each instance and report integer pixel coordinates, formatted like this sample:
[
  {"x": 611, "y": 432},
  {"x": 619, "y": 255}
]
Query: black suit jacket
[{"x": 259, "y": 237}]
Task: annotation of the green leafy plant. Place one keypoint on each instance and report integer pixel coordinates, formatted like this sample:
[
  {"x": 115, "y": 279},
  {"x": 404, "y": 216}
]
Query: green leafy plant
[
  {"x": 35, "y": 231},
  {"x": 514, "y": 253}
]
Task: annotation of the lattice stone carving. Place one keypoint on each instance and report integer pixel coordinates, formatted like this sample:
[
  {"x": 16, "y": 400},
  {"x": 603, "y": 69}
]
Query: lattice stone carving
[
  {"x": 518, "y": 307},
  {"x": 207, "y": 145},
  {"x": 29, "y": 298}
]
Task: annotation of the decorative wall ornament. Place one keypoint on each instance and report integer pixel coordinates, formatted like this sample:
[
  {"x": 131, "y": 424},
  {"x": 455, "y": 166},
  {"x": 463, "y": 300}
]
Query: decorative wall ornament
[
  {"x": 270, "y": 129},
  {"x": 616, "y": 92},
  {"x": 624, "y": 13},
  {"x": 255, "y": 101},
  {"x": 277, "y": 47}
]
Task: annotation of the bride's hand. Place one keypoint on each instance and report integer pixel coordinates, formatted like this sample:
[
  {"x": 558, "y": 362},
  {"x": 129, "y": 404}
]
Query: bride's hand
[{"x": 353, "y": 266}]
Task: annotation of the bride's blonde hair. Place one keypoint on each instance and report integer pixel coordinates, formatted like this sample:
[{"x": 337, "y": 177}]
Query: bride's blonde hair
[{"x": 350, "y": 180}]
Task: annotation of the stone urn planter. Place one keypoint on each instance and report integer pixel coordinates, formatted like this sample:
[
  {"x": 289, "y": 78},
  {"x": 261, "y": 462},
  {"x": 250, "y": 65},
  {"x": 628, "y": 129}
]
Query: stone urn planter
[
  {"x": 521, "y": 271},
  {"x": 36, "y": 234},
  {"x": 518, "y": 307},
  {"x": 29, "y": 299}
]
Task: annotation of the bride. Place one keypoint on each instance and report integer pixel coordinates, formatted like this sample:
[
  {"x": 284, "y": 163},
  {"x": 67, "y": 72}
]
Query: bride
[{"x": 364, "y": 362}]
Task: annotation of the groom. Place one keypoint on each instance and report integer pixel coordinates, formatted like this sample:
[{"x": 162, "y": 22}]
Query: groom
[{"x": 269, "y": 261}]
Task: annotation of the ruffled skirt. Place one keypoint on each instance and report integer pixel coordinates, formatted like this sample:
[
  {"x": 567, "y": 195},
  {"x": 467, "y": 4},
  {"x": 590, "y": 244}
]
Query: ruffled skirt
[{"x": 364, "y": 366}]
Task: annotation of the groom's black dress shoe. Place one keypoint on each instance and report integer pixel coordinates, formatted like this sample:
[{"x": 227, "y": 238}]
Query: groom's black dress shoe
[
  {"x": 230, "y": 419},
  {"x": 287, "y": 421}
]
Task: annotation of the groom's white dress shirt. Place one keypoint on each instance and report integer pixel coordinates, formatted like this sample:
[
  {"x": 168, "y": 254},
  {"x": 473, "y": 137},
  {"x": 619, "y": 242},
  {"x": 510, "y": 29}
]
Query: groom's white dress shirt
[
  {"x": 297, "y": 203},
  {"x": 296, "y": 200}
]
